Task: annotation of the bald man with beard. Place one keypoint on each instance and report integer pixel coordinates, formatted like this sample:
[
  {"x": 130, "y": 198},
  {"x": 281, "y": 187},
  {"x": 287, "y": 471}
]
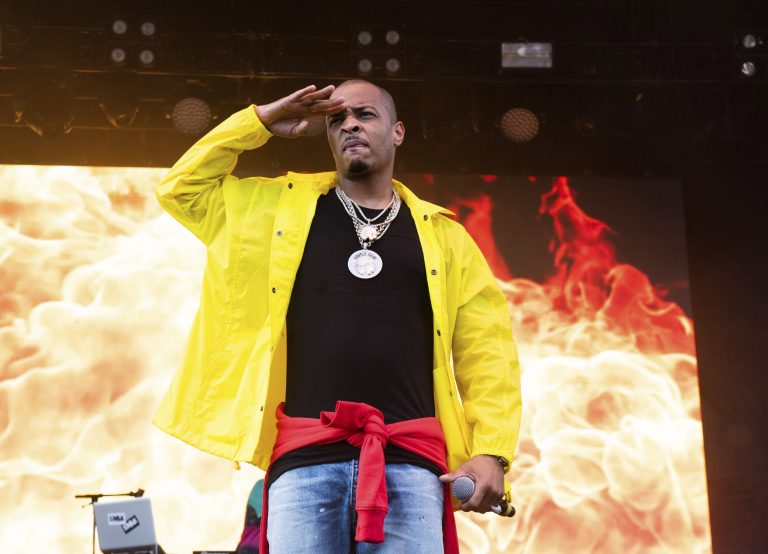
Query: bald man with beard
[{"x": 351, "y": 339}]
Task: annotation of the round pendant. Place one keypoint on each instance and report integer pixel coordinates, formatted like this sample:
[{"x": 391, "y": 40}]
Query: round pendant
[
  {"x": 368, "y": 232},
  {"x": 365, "y": 264}
]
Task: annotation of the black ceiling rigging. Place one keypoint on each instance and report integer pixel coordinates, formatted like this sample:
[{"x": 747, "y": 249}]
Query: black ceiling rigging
[{"x": 624, "y": 87}]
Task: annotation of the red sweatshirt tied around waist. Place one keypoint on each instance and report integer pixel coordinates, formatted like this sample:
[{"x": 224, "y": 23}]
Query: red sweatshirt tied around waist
[{"x": 363, "y": 426}]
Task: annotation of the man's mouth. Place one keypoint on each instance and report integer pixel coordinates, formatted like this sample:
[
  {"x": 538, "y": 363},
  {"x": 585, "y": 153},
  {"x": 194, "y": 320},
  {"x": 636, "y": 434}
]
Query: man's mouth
[{"x": 351, "y": 143}]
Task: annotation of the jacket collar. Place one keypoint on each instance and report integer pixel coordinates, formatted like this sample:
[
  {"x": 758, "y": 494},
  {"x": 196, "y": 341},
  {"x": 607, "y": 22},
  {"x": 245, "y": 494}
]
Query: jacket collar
[{"x": 325, "y": 181}]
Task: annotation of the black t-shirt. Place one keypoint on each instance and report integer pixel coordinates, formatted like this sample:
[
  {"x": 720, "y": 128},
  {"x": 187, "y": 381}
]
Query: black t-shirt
[{"x": 360, "y": 340}]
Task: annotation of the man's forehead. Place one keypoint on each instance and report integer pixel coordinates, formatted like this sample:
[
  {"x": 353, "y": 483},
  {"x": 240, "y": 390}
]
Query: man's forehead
[
  {"x": 358, "y": 93},
  {"x": 359, "y": 105}
]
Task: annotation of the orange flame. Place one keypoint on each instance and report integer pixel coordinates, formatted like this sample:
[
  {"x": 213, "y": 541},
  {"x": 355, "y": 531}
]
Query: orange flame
[
  {"x": 479, "y": 223},
  {"x": 97, "y": 292},
  {"x": 590, "y": 283},
  {"x": 611, "y": 452}
]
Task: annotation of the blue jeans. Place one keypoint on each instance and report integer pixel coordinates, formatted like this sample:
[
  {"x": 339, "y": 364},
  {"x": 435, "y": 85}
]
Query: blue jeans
[{"x": 312, "y": 510}]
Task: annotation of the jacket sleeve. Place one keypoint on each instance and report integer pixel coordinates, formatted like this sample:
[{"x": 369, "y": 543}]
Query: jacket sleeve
[
  {"x": 485, "y": 359},
  {"x": 192, "y": 190}
]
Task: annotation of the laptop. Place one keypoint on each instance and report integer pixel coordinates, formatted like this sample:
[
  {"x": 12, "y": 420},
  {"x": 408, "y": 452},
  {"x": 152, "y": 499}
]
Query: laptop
[{"x": 125, "y": 526}]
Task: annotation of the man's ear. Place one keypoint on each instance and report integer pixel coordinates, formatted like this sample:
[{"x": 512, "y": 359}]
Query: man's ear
[{"x": 399, "y": 133}]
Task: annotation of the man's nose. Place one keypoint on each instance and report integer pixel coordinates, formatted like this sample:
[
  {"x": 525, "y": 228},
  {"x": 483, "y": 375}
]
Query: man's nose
[{"x": 350, "y": 125}]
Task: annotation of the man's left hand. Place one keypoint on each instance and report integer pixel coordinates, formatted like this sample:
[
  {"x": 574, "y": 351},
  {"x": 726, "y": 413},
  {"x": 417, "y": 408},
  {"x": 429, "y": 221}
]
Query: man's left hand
[{"x": 488, "y": 476}]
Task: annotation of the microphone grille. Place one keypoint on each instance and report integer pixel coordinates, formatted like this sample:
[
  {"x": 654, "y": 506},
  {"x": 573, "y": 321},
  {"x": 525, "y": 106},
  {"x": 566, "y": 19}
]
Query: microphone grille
[{"x": 462, "y": 488}]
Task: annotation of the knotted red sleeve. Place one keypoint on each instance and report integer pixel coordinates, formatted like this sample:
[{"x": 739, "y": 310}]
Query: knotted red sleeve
[{"x": 363, "y": 426}]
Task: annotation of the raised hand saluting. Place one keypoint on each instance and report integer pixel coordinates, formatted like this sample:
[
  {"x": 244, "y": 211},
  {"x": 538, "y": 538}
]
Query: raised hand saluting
[{"x": 301, "y": 113}]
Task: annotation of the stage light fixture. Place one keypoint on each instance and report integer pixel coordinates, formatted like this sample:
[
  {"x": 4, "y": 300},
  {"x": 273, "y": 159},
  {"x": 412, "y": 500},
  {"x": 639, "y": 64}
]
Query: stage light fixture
[
  {"x": 749, "y": 41},
  {"x": 44, "y": 104},
  {"x": 117, "y": 56},
  {"x": 147, "y": 57},
  {"x": 191, "y": 116},
  {"x": 392, "y": 66},
  {"x": 191, "y": 111},
  {"x": 364, "y": 66},
  {"x": 119, "y": 27},
  {"x": 748, "y": 69},
  {"x": 120, "y": 100},
  {"x": 148, "y": 29},
  {"x": 526, "y": 55},
  {"x": 392, "y": 37},
  {"x": 519, "y": 125},
  {"x": 364, "y": 38}
]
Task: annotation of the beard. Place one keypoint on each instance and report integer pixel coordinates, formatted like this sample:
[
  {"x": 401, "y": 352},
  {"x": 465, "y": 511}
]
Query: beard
[{"x": 357, "y": 167}]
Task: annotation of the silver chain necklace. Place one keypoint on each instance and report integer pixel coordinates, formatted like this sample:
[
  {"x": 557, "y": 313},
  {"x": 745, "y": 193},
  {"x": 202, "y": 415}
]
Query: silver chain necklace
[
  {"x": 359, "y": 209},
  {"x": 365, "y": 263}
]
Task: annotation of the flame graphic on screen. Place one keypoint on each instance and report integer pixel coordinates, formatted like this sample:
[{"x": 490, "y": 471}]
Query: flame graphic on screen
[
  {"x": 611, "y": 452},
  {"x": 97, "y": 291}
]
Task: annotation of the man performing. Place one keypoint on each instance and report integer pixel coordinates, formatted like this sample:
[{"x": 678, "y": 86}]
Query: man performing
[{"x": 351, "y": 340}]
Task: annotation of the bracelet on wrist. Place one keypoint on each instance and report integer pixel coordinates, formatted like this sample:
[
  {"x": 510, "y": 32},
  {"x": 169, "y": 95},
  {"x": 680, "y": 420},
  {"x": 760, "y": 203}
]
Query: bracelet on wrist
[{"x": 502, "y": 461}]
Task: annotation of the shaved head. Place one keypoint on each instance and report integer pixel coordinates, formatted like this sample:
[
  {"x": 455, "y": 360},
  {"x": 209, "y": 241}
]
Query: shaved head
[
  {"x": 364, "y": 134},
  {"x": 386, "y": 98}
]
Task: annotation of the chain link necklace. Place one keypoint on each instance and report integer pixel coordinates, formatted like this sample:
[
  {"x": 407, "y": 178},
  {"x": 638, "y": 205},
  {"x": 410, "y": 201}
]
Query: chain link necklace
[{"x": 365, "y": 263}]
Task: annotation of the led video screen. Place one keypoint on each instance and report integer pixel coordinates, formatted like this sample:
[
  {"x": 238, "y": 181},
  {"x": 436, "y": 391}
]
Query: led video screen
[{"x": 98, "y": 288}]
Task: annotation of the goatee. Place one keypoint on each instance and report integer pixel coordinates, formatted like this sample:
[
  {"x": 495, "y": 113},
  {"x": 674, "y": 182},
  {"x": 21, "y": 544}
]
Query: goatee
[{"x": 356, "y": 167}]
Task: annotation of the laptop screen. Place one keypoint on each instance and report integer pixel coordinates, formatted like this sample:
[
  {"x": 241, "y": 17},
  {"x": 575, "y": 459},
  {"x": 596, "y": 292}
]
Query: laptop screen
[{"x": 124, "y": 524}]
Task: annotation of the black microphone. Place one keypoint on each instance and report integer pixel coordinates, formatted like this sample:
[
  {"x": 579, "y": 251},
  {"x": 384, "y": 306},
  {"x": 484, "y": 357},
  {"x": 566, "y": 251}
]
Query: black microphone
[
  {"x": 463, "y": 487},
  {"x": 138, "y": 493}
]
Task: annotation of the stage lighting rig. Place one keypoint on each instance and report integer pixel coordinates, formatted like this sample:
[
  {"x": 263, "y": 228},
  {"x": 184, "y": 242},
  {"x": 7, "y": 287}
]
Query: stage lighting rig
[
  {"x": 147, "y": 58},
  {"x": 147, "y": 55},
  {"x": 750, "y": 40},
  {"x": 148, "y": 29},
  {"x": 192, "y": 108},
  {"x": 117, "y": 56},
  {"x": 750, "y": 53},
  {"x": 748, "y": 69},
  {"x": 378, "y": 50},
  {"x": 44, "y": 104},
  {"x": 392, "y": 66},
  {"x": 519, "y": 125},
  {"x": 119, "y": 27},
  {"x": 120, "y": 100},
  {"x": 392, "y": 37},
  {"x": 364, "y": 66},
  {"x": 132, "y": 45},
  {"x": 450, "y": 120},
  {"x": 526, "y": 55},
  {"x": 364, "y": 38}
]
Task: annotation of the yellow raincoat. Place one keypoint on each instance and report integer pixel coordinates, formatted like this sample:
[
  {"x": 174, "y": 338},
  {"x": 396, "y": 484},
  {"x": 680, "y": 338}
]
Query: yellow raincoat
[{"x": 222, "y": 400}]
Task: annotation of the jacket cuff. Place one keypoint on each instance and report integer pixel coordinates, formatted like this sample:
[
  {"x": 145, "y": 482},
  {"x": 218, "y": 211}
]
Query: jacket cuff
[
  {"x": 370, "y": 526},
  {"x": 252, "y": 118},
  {"x": 493, "y": 451}
]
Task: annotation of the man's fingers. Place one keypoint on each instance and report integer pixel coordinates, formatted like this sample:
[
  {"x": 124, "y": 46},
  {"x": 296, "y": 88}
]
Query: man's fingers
[
  {"x": 300, "y": 93},
  {"x": 316, "y": 103},
  {"x": 315, "y": 95},
  {"x": 486, "y": 472},
  {"x": 475, "y": 503},
  {"x": 482, "y": 499},
  {"x": 470, "y": 506},
  {"x": 328, "y": 106}
]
